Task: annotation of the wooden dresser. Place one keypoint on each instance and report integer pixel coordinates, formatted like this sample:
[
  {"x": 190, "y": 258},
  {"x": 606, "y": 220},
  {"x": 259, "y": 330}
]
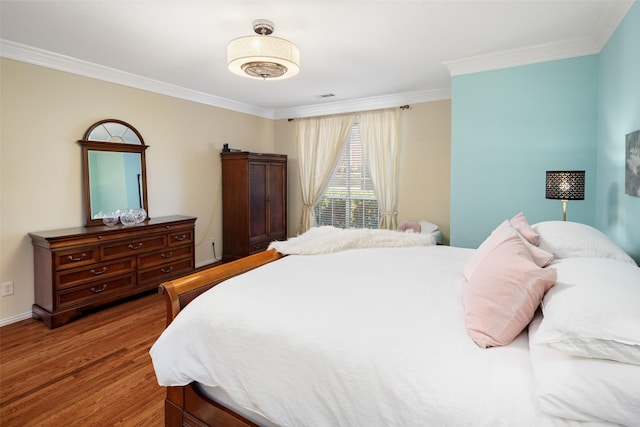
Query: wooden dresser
[
  {"x": 81, "y": 268},
  {"x": 254, "y": 202}
]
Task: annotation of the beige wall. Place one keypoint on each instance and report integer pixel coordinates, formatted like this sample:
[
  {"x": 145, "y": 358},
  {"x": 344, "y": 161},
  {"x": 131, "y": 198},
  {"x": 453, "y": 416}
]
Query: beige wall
[
  {"x": 44, "y": 112},
  {"x": 424, "y": 156}
]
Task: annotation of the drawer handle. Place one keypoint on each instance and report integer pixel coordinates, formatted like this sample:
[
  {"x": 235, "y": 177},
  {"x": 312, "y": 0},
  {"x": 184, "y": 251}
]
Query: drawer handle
[
  {"x": 80, "y": 258},
  {"x": 136, "y": 247},
  {"x": 97, "y": 291},
  {"x": 97, "y": 273},
  {"x": 180, "y": 238},
  {"x": 167, "y": 270},
  {"x": 163, "y": 255}
]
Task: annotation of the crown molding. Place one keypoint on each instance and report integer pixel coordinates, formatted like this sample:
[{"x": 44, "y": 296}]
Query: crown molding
[
  {"x": 365, "y": 104},
  {"x": 614, "y": 12},
  {"x": 44, "y": 58},
  {"x": 528, "y": 55}
]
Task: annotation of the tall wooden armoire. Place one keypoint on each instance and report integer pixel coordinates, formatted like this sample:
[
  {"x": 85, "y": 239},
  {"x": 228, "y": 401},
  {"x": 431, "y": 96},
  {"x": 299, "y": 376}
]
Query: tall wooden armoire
[{"x": 254, "y": 202}]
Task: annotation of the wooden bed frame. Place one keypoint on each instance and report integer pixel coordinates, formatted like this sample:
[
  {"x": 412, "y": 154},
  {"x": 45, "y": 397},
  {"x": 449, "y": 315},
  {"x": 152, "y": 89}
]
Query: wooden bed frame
[{"x": 186, "y": 405}]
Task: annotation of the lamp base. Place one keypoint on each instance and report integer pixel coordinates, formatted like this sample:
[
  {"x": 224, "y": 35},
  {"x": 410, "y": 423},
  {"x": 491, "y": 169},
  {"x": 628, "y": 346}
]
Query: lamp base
[{"x": 564, "y": 210}]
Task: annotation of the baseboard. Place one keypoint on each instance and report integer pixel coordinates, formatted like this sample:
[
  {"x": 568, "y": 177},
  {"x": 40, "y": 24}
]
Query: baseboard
[{"x": 14, "y": 319}]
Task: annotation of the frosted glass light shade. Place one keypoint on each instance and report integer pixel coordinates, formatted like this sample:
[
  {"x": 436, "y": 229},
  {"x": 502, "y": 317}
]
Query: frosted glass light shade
[{"x": 269, "y": 57}]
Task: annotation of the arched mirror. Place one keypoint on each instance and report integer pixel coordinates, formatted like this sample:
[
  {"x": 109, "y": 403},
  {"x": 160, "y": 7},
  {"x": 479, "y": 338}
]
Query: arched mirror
[{"x": 114, "y": 169}]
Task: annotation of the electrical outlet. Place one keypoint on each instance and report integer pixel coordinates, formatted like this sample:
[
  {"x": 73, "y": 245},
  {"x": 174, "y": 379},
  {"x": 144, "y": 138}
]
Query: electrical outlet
[{"x": 7, "y": 289}]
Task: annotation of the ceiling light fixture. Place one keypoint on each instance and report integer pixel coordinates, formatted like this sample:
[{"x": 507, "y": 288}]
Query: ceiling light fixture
[{"x": 263, "y": 56}]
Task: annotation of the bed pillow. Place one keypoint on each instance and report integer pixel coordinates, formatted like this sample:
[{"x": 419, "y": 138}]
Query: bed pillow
[
  {"x": 565, "y": 239},
  {"x": 502, "y": 295},
  {"x": 497, "y": 236},
  {"x": 428, "y": 227},
  {"x": 583, "y": 389},
  {"x": 594, "y": 310},
  {"x": 520, "y": 223},
  {"x": 409, "y": 227}
]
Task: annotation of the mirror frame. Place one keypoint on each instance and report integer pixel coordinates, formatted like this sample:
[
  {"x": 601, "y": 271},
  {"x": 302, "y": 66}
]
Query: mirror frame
[{"x": 123, "y": 147}]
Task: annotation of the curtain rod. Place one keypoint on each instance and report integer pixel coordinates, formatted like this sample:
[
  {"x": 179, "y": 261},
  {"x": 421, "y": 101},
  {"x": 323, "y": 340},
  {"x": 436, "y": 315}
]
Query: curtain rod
[{"x": 402, "y": 107}]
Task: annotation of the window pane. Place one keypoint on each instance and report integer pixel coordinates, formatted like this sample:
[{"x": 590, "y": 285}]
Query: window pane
[{"x": 349, "y": 201}]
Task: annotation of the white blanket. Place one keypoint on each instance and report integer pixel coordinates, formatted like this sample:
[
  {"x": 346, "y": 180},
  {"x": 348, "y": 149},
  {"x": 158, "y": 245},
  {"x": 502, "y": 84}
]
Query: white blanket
[
  {"x": 369, "y": 337},
  {"x": 326, "y": 239}
]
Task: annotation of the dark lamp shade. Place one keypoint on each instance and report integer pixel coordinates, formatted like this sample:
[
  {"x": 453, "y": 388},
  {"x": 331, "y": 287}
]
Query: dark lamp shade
[{"x": 565, "y": 185}]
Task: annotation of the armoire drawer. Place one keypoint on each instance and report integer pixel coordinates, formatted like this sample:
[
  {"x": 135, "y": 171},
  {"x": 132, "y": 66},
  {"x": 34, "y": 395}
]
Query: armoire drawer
[
  {"x": 70, "y": 278},
  {"x": 95, "y": 291}
]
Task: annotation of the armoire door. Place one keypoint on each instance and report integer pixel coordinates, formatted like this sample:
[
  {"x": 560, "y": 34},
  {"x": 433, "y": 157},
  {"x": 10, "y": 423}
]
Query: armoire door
[
  {"x": 277, "y": 201},
  {"x": 258, "y": 200}
]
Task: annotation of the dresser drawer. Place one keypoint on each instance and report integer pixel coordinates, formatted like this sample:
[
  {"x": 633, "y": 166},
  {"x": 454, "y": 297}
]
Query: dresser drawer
[
  {"x": 181, "y": 237},
  {"x": 164, "y": 257},
  {"x": 165, "y": 272},
  {"x": 75, "y": 257},
  {"x": 70, "y": 278},
  {"x": 133, "y": 247},
  {"x": 93, "y": 292}
]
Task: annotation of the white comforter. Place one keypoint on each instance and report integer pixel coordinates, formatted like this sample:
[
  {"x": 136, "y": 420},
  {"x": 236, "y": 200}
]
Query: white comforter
[
  {"x": 327, "y": 239},
  {"x": 366, "y": 337}
]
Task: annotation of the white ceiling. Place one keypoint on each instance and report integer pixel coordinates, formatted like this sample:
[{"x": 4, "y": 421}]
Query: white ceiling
[{"x": 367, "y": 53}]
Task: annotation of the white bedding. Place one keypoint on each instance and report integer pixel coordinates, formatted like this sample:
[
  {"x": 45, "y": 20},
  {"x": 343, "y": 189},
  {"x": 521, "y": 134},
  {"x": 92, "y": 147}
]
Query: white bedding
[
  {"x": 327, "y": 239},
  {"x": 298, "y": 345}
]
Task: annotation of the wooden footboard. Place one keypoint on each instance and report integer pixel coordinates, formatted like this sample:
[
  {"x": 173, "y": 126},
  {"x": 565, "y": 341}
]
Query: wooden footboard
[{"x": 186, "y": 406}]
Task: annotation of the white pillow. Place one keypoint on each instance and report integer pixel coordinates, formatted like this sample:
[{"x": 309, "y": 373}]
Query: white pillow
[
  {"x": 584, "y": 389},
  {"x": 428, "y": 227},
  {"x": 566, "y": 239},
  {"x": 593, "y": 310}
]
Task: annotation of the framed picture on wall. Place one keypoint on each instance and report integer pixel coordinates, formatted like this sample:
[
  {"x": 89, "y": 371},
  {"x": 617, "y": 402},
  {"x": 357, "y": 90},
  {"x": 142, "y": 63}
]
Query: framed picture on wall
[{"x": 632, "y": 164}]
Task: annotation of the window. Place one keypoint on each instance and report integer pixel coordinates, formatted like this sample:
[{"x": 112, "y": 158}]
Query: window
[{"x": 349, "y": 200}]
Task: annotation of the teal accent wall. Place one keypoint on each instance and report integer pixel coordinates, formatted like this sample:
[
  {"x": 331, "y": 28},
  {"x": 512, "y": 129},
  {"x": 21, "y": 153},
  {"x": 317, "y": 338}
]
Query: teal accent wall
[
  {"x": 617, "y": 213},
  {"x": 509, "y": 127}
]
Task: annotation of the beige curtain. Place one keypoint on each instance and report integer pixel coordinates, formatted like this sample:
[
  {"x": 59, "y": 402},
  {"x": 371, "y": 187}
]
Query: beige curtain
[
  {"x": 379, "y": 131},
  {"x": 320, "y": 143}
]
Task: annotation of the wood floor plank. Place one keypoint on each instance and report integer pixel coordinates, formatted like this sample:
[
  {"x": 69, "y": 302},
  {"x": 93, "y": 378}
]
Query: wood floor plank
[{"x": 94, "y": 371}]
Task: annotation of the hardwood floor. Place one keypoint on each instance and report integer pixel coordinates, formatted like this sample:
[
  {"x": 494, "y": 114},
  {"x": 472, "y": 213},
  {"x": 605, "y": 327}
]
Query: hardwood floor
[{"x": 94, "y": 371}]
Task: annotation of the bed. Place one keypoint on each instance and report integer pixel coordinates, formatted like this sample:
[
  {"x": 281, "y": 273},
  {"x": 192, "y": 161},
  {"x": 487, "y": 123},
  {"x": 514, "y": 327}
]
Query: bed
[{"x": 400, "y": 331}]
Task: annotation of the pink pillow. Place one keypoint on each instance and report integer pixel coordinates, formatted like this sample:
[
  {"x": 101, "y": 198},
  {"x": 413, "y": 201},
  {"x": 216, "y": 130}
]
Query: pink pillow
[
  {"x": 521, "y": 224},
  {"x": 410, "y": 227},
  {"x": 502, "y": 232},
  {"x": 504, "y": 292}
]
